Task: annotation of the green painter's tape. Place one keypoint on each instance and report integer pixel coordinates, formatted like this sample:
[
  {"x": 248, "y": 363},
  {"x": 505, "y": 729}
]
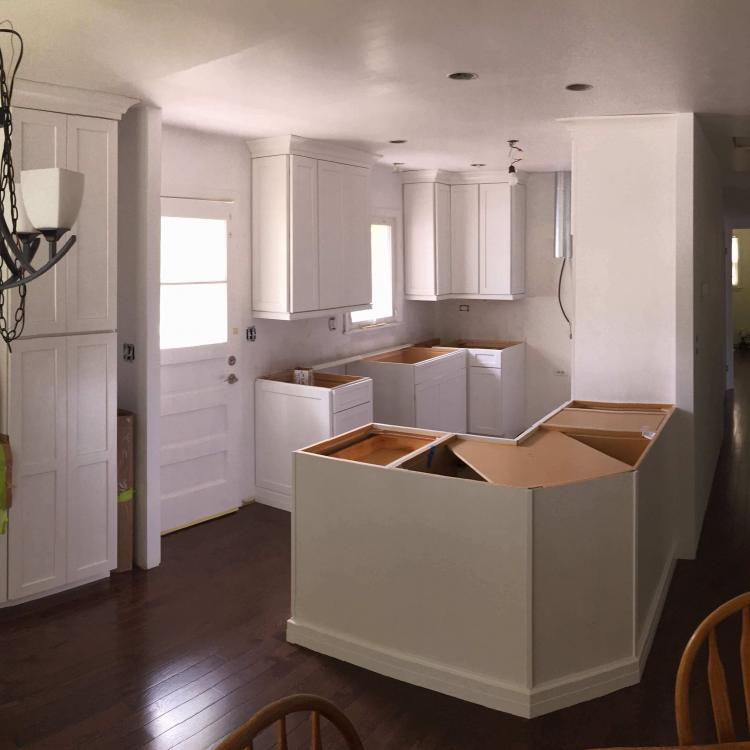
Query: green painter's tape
[
  {"x": 3, "y": 494},
  {"x": 126, "y": 495}
]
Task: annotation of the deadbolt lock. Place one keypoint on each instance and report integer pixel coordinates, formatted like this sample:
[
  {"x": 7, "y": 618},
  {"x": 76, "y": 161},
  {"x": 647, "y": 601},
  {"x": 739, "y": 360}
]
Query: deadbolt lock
[
  {"x": 231, "y": 378},
  {"x": 232, "y": 360}
]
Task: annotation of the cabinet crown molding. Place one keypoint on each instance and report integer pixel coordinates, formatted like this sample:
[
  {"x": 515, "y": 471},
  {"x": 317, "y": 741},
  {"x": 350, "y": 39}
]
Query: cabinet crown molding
[
  {"x": 70, "y": 100},
  {"x": 315, "y": 149},
  {"x": 484, "y": 177}
]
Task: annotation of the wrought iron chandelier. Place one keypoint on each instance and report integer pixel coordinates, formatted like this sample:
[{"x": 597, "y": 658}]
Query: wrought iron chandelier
[{"x": 46, "y": 208}]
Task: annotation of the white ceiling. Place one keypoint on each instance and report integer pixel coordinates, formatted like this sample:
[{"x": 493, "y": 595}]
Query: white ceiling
[{"x": 366, "y": 71}]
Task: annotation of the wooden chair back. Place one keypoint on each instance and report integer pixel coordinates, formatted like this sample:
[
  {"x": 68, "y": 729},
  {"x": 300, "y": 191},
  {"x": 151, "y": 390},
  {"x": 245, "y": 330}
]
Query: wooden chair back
[
  {"x": 242, "y": 738},
  {"x": 717, "y": 681}
]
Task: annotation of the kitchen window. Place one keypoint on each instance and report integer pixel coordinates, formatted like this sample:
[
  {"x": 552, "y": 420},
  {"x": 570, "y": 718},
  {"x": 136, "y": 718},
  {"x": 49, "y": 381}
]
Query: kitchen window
[
  {"x": 384, "y": 279},
  {"x": 735, "y": 262}
]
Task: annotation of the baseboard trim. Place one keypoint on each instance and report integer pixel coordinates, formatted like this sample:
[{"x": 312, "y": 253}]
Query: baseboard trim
[
  {"x": 655, "y": 609},
  {"x": 273, "y": 499},
  {"x": 477, "y": 688}
]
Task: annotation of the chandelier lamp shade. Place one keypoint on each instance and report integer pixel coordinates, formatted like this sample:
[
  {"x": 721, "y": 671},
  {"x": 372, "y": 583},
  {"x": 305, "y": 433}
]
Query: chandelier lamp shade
[{"x": 42, "y": 205}]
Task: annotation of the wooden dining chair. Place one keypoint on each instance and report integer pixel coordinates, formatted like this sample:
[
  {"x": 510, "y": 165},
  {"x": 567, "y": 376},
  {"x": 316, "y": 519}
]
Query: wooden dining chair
[
  {"x": 242, "y": 738},
  {"x": 717, "y": 682}
]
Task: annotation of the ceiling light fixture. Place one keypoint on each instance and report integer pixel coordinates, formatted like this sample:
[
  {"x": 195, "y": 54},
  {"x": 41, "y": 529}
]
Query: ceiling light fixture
[
  {"x": 398, "y": 140},
  {"x": 463, "y": 76},
  {"x": 48, "y": 206},
  {"x": 513, "y": 157},
  {"x": 579, "y": 87}
]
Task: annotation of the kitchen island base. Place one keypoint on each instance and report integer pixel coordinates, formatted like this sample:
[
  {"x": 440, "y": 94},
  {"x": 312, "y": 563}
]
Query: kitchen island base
[{"x": 522, "y": 599}]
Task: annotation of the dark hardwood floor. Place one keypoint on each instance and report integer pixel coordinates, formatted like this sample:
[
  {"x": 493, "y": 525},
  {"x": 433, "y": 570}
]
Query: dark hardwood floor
[{"x": 179, "y": 656}]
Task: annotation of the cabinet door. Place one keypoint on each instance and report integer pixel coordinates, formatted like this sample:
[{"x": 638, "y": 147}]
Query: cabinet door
[
  {"x": 453, "y": 402},
  {"x": 92, "y": 262},
  {"x": 465, "y": 239},
  {"x": 303, "y": 234},
  {"x": 419, "y": 240},
  {"x": 443, "y": 238},
  {"x": 427, "y": 405},
  {"x": 485, "y": 401},
  {"x": 494, "y": 239},
  {"x": 40, "y": 142},
  {"x": 343, "y": 236},
  {"x": 36, "y": 418},
  {"x": 92, "y": 456}
]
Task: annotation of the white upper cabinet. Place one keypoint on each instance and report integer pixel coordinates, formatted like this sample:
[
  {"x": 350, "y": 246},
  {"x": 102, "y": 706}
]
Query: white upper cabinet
[
  {"x": 427, "y": 240},
  {"x": 463, "y": 239},
  {"x": 502, "y": 231},
  {"x": 79, "y": 294},
  {"x": 310, "y": 228}
]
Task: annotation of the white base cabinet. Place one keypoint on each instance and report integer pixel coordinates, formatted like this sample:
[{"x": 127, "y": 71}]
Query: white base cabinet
[
  {"x": 416, "y": 390},
  {"x": 289, "y": 416},
  {"x": 60, "y": 413},
  {"x": 496, "y": 390}
]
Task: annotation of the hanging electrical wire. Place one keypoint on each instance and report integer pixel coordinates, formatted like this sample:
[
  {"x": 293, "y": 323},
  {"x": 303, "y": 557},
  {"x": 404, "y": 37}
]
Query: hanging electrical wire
[{"x": 559, "y": 299}]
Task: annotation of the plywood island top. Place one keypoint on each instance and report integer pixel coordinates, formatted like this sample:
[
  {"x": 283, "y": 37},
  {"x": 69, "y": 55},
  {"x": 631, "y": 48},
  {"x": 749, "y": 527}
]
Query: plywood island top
[{"x": 638, "y": 418}]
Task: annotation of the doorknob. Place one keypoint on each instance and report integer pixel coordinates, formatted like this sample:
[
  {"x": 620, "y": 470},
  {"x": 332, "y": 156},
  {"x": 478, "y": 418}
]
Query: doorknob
[{"x": 231, "y": 378}]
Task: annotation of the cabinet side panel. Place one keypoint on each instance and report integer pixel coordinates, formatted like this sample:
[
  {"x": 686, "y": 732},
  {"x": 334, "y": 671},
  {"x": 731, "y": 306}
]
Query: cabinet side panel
[
  {"x": 583, "y": 576},
  {"x": 431, "y": 567},
  {"x": 518, "y": 240},
  {"x": 303, "y": 240},
  {"x": 419, "y": 239},
  {"x": 270, "y": 231}
]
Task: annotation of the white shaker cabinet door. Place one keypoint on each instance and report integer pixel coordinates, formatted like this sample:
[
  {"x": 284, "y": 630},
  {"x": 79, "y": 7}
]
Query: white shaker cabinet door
[
  {"x": 494, "y": 239},
  {"x": 92, "y": 456},
  {"x": 427, "y": 405},
  {"x": 485, "y": 401},
  {"x": 303, "y": 234},
  {"x": 420, "y": 262},
  {"x": 40, "y": 142},
  {"x": 92, "y": 262},
  {"x": 453, "y": 402},
  {"x": 465, "y": 239},
  {"x": 37, "y": 415},
  {"x": 343, "y": 236}
]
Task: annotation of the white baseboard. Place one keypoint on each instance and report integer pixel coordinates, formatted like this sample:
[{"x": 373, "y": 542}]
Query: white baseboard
[
  {"x": 56, "y": 590},
  {"x": 273, "y": 499},
  {"x": 643, "y": 647},
  {"x": 477, "y": 688}
]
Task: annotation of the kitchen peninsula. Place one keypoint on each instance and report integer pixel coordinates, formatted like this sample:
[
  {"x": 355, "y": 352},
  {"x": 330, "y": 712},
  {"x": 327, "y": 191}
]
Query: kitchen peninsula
[{"x": 525, "y": 575}]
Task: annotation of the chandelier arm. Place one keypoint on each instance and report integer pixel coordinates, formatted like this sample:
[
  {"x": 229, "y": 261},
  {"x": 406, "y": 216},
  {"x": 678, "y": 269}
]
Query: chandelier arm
[
  {"x": 31, "y": 276},
  {"x": 9, "y": 241}
]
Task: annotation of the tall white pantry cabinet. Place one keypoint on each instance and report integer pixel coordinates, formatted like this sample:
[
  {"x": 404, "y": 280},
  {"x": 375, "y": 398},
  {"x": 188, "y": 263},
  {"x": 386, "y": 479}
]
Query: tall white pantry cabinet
[{"x": 59, "y": 383}]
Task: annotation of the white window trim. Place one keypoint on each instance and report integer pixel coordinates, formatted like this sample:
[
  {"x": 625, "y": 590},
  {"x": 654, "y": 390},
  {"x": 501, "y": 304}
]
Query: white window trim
[{"x": 392, "y": 217}]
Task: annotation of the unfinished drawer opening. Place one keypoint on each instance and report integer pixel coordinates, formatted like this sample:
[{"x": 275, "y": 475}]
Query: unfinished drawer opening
[
  {"x": 441, "y": 460},
  {"x": 372, "y": 445},
  {"x": 315, "y": 378},
  {"x": 413, "y": 355}
]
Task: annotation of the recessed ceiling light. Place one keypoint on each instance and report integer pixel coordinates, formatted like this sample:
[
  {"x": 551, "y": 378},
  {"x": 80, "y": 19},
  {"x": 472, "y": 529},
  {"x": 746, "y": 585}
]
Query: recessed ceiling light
[
  {"x": 463, "y": 76},
  {"x": 477, "y": 164},
  {"x": 398, "y": 140},
  {"x": 579, "y": 87}
]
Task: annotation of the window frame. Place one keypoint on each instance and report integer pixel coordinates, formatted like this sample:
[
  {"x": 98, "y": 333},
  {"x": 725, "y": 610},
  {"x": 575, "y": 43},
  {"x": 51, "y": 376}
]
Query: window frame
[
  {"x": 393, "y": 219},
  {"x": 197, "y": 208}
]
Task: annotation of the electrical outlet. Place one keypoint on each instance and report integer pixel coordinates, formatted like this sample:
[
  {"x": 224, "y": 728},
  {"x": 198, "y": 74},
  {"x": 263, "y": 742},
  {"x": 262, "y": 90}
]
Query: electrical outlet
[
  {"x": 250, "y": 333},
  {"x": 332, "y": 324},
  {"x": 463, "y": 308},
  {"x": 560, "y": 373},
  {"x": 128, "y": 352}
]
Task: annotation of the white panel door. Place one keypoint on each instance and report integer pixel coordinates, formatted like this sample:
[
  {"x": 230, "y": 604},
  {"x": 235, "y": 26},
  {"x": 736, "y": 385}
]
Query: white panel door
[
  {"x": 485, "y": 401},
  {"x": 303, "y": 234},
  {"x": 40, "y": 142},
  {"x": 201, "y": 401},
  {"x": 343, "y": 236},
  {"x": 37, "y": 417},
  {"x": 465, "y": 239},
  {"x": 494, "y": 239},
  {"x": 92, "y": 262},
  {"x": 92, "y": 456}
]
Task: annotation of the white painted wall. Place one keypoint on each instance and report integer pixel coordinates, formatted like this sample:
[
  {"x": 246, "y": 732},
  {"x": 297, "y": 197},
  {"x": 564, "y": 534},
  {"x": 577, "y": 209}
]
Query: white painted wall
[
  {"x": 138, "y": 312},
  {"x": 536, "y": 318},
  {"x": 202, "y": 165},
  {"x": 649, "y": 283}
]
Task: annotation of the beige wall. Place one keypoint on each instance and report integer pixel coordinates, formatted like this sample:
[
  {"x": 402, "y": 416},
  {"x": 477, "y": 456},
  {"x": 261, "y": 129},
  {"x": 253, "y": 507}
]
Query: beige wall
[
  {"x": 536, "y": 318},
  {"x": 741, "y": 295}
]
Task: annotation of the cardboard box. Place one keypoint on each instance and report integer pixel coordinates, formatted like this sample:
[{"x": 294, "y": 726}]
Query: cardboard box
[{"x": 125, "y": 489}]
